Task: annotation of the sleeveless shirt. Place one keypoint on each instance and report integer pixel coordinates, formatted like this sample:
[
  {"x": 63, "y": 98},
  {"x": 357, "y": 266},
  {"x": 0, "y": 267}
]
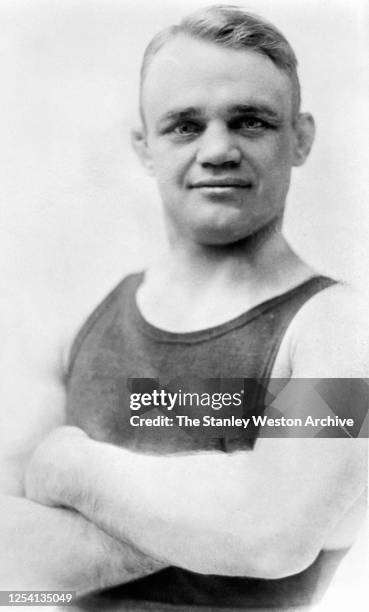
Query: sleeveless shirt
[{"x": 116, "y": 345}]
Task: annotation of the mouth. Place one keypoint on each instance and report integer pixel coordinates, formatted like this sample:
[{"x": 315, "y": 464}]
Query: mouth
[
  {"x": 222, "y": 189},
  {"x": 221, "y": 184}
]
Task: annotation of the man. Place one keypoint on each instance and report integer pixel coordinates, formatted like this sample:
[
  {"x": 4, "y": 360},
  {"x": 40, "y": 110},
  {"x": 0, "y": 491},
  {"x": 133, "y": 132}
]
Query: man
[{"x": 241, "y": 524}]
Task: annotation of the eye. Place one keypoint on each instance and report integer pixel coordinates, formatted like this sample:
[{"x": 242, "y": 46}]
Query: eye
[
  {"x": 186, "y": 128},
  {"x": 251, "y": 123}
]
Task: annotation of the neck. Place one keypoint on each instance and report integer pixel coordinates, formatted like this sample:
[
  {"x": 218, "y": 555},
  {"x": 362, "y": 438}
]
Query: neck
[
  {"x": 262, "y": 259},
  {"x": 196, "y": 286}
]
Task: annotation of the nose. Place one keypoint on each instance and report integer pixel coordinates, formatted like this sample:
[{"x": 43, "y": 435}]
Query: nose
[{"x": 218, "y": 147}]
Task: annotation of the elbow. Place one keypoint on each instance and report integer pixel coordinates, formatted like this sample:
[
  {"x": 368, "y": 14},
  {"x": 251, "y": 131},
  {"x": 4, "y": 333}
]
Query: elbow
[
  {"x": 285, "y": 558},
  {"x": 272, "y": 558}
]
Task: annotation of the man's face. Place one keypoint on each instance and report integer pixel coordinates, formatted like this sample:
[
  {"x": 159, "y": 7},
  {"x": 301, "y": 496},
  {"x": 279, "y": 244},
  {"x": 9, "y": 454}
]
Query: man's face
[{"x": 219, "y": 138}]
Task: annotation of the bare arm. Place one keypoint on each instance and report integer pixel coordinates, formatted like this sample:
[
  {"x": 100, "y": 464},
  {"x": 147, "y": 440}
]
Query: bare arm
[
  {"x": 262, "y": 513},
  {"x": 55, "y": 548},
  {"x": 42, "y": 547}
]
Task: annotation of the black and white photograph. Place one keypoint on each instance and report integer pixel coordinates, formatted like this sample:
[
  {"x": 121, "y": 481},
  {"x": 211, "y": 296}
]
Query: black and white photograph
[{"x": 184, "y": 306}]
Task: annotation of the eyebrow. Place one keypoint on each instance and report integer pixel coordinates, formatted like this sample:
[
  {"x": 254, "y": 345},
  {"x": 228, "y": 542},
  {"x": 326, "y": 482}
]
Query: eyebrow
[
  {"x": 255, "y": 108},
  {"x": 237, "y": 109},
  {"x": 180, "y": 113}
]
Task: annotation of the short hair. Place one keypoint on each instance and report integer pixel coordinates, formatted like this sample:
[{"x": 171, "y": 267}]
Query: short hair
[{"x": 232, "y": 27}]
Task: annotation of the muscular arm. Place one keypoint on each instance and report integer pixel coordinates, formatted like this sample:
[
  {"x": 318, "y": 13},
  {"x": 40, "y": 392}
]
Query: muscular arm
[
  {"x": 43, "y": 547},
  {"x": 55, "y": 548},
  {"x": 263, "y": 513}
]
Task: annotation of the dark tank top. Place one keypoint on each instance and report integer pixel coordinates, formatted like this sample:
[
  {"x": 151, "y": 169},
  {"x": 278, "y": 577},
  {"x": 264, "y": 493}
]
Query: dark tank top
[{"x": 117, "y": 345}]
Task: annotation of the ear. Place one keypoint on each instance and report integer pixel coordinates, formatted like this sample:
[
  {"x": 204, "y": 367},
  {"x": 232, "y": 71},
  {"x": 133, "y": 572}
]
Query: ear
[
  {"x": 140, "y": 145},
  {"x": 304, "y": 138}
]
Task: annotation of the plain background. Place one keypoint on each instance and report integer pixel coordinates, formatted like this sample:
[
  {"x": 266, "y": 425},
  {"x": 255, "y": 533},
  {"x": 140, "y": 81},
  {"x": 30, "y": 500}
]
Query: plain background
[{"x": 76, "y": 210}]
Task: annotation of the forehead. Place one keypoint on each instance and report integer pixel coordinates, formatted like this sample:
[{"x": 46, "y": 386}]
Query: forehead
[{"x": 187, "y": 72}]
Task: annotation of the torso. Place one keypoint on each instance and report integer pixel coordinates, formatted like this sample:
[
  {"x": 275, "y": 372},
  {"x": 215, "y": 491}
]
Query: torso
[{"x": 101, "y": 372}]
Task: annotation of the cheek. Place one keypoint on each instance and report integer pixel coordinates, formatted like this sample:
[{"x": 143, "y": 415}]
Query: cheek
[
  {"x": 170, "y": 167},
  {"x": 273, "y": 164}
]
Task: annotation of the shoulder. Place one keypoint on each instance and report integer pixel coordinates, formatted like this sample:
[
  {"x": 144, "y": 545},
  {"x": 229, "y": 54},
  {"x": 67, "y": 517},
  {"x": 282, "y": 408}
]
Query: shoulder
[
  {"x": 329, "y": 336},
  {"x": 101, "y": 315},
  {"x": 333, "y": 306},
  {"x": 37, "y": 333},
  {"x": 31, "y": 389}
]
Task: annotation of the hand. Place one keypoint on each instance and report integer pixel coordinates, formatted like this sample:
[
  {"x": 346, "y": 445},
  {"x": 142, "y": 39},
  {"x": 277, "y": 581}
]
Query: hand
[{"x": 53, "y": 477}]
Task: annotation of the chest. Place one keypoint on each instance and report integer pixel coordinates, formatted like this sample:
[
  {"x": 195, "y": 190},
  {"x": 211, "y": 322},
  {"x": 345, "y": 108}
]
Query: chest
[{"x": 118, "y": 363}]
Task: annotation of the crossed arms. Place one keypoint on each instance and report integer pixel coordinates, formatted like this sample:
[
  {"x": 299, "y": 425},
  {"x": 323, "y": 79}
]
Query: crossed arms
[{"x": 267, "y": 513}]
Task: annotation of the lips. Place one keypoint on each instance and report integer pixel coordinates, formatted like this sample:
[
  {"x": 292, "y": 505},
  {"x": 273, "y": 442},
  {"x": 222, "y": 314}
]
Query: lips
[{"x": 225, "y": 182}]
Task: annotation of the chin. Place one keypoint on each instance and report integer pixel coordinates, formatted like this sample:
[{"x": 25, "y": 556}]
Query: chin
[
  {"x": 222, "y": 235},
  {"x": 227, "y": 234}
]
